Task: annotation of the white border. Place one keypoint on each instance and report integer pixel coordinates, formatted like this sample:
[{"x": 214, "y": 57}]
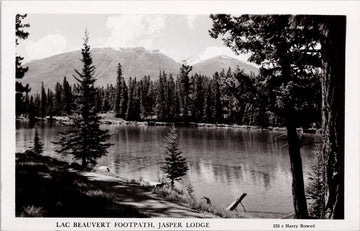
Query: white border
[{"x": 352, "y": 126}]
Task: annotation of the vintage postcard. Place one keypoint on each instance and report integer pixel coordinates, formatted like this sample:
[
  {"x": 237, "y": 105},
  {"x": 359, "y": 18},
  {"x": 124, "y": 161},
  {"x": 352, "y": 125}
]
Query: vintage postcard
[{"x": 180, "y": 115}]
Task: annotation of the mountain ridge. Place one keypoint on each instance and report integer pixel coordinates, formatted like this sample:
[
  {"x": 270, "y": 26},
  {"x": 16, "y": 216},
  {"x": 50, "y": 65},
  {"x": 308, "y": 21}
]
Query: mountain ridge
[{"x": 136, "y": 62}]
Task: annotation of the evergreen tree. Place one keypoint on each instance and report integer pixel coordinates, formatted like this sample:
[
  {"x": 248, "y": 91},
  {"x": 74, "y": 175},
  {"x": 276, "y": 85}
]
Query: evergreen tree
[
  {"x": 26, "y": 103},
  {"x": 98, "y": 101},
  {"x": 50, "y": 103},
  {"x": 58, "y": 104},
  {"x": 286, "y": 80},
  {"x": 130, "y": 104},
  {"x": 175, "y": 165},
  {"x": 208, "y": 103},
  {"x": 37, "y": 103},
  {"x": 146, "y": 86},
  {"x": 112, "y": 98},
  {"x": 31, "y": 110},
  {"x": 177, "y": 102},
  {"x": 106, "y": 104},
  {"x": 161, "y": 100},
  {"x": 133, "y": 107},
  {"x": 67, "y": 97},
  {"x": 20, "y": 71},
  {"x": 184, "y": 77},
  {"x": 43, "y": 109},
  {"x": 123, "y": 99},
  {"x": 38, "y": 146},
  {"x": 170, "y": 98},
  {"x": 197, "y": 99},
  {"x": 119, "y": 81},
  {"x": 216, "y": 94},
  {"x": 86, "y": 141}
]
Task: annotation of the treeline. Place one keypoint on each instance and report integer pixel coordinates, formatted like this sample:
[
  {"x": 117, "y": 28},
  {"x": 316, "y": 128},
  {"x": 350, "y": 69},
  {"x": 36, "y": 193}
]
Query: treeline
[{"x": 184, "y": 98}]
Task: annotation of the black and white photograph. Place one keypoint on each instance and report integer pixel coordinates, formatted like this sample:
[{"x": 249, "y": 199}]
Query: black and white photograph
[{"x": 135, "y": 120}]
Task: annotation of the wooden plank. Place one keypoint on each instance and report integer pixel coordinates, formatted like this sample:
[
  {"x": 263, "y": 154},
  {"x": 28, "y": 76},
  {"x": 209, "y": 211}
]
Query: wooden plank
[{"x": 237, "y": 202}]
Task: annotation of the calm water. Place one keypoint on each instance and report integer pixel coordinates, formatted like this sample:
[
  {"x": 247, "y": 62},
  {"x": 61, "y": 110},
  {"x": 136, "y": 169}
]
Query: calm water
[{"x": 223, "y": 163}]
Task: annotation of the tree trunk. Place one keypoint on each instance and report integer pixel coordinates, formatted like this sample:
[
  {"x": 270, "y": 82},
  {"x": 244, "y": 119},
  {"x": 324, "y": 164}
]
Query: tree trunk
[
  {"x": 333, "y": 113},
  {"x": 83, "y": 163},
  {"x": 298, "y": 192}
]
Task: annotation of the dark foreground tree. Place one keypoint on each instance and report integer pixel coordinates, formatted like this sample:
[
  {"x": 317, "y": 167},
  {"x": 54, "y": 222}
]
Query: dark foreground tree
[
  {"x": 315, "y": 190},
  {"x": 297, "y": 38},
  {"x": 86, "y": 141},
  {"x": 38, "y": 146},
  {"x": 333, "y": 31},
  {"x": 20, "y": 89},
  {"x": 175, "y": 165},
  {"x": 288, "y": 77}
]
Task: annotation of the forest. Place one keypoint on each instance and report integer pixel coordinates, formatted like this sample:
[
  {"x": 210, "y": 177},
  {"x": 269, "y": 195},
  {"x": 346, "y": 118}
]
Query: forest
[{"x": 186, "y": 98}]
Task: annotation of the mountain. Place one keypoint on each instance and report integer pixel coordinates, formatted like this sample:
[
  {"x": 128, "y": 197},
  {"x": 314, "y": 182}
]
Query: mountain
[
  {"x": 217, "y": 63},
  {"x": 136, "y": 62},
  {"x": 191, "y": 60}
]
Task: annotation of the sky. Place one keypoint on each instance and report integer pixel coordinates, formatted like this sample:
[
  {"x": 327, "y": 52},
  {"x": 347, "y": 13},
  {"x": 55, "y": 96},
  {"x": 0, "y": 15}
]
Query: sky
[{"x": 177, "y": 36}]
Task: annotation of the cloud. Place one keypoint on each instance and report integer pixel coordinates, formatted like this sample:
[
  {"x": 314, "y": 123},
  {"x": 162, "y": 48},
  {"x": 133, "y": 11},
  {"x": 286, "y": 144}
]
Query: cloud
[
  {"x": 190, "y": 19},
  {"x": 133, "y": 30},
  {"x": 213, "y": 51},
  {"x": 46, "y": 46}
]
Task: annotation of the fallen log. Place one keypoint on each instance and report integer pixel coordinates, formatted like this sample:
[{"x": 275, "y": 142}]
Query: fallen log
[{"x": 237, "y": 202}]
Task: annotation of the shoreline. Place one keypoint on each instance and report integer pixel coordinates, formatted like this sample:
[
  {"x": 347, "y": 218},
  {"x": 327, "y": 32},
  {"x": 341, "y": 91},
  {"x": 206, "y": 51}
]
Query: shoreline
[
  {"x": 141, "y": 198},
  {"x": 111, "y": 120}
]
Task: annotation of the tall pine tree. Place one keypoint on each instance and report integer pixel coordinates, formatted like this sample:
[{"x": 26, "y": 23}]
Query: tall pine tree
[
  {"x": 161, "y": 100},
  {"x": 119, "y": 81},
  {"x": 58, "y": 105},
  {"x": 43, "y": 101},
  {"x": 170, "y": 97},
  {"x": 67, "y": 97},
  {"x": 20, "y": 89},
  {"x": 184, "y": 77},
  {"x": 86, "y": 141},
  {"x": 123, "y": 99}
]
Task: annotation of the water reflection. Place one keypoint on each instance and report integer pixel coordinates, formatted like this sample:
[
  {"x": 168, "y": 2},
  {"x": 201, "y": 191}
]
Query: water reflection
[{"x": 223, "y": 163}]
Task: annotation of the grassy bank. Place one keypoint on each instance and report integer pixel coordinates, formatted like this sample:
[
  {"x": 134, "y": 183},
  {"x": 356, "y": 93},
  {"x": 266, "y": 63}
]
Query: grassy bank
[
  {"x": 46, "y": 187},
  {"x": 199, "y": 205},
  {"x": 202, "y": 206}
]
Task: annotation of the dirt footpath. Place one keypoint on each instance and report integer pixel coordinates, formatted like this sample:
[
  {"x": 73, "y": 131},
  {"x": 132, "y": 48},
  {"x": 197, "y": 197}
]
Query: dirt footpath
[{"x": 147, "y": 203}]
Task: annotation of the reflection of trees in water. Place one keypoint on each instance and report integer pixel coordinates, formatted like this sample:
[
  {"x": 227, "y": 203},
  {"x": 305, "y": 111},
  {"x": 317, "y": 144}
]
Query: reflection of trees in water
[
  {"x": 258, "y": 159},
  {"x": 228, "y": 156},
  {"x": 228, "y": 175}
]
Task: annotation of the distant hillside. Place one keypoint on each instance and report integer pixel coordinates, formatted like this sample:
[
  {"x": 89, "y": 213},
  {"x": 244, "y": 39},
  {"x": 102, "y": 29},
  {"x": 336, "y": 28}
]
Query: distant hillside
[
  {"x": 212, "y": 65},
  {"x": 136, "y": 62}
]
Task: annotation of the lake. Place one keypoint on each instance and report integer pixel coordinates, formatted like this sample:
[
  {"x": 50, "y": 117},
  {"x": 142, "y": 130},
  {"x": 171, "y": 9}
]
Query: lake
[{"x": 223, "y": 163}]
